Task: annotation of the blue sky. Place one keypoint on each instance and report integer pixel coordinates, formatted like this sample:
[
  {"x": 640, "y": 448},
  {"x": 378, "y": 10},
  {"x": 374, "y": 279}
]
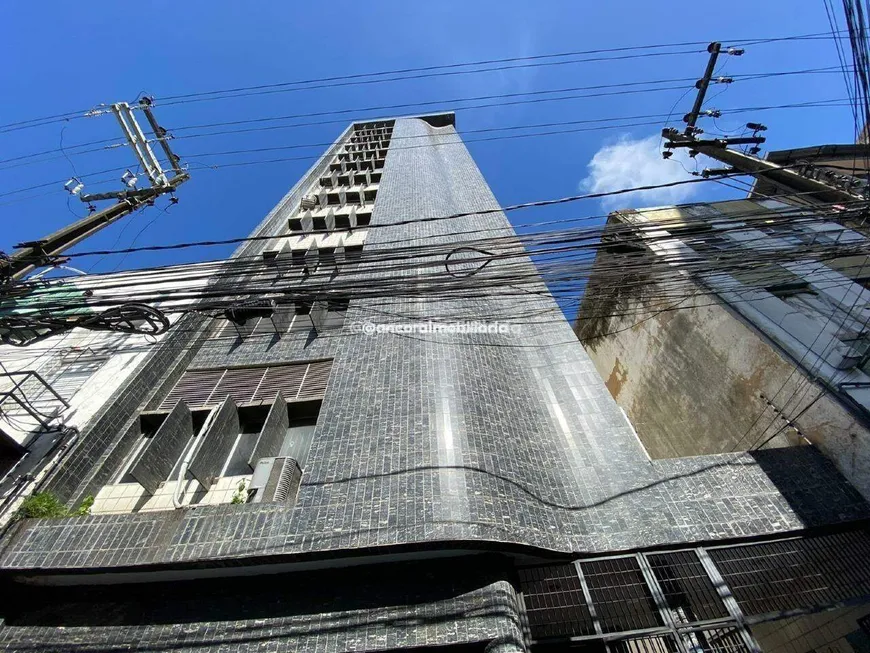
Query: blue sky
[{"x": 68, "y": 57}]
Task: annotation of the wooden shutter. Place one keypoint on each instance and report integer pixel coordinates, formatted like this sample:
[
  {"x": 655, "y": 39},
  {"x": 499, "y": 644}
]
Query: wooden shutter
[
  {"x": 247, "y": 385},
  {"x": 314, "y": 385},
  {"x": 195, "y": 387}
]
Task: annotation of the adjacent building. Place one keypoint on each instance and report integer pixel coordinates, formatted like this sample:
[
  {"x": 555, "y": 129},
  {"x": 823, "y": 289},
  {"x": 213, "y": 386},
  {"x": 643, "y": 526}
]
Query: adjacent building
[
  {"x": 298, "y": 465},
  {"x": 52, "y": 389},
  {"x": 735, "y": 325}
]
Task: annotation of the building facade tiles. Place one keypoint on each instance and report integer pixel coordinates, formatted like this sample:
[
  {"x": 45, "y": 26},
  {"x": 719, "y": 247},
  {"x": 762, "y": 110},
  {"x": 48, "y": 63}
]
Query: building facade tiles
[{"x": 441, "y": 438}]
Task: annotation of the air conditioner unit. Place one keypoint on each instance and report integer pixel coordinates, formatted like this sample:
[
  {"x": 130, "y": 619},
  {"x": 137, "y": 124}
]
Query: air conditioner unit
[{"x": 275, "y": 480}]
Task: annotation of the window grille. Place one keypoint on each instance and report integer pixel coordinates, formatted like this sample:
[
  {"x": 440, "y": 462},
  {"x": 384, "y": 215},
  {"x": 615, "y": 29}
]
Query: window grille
[
  {"x": 620, "y": 594},
  {"x": 766, "y": 580},
  {"x": 69, "y": 376},
  {"x": 790, "y": 574},
  {"x": 715, "y": 640},
  {"x": 687, "y": 588},
  {"x": 73, "y": 375},
  {"x": 554, "y": 601},
  {"x": 645, "y": 644}
]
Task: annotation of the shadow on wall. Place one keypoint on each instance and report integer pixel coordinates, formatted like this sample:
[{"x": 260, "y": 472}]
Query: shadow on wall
[
  {"x": 462, "y": 598},
  {"x": 814, "y": 488}
]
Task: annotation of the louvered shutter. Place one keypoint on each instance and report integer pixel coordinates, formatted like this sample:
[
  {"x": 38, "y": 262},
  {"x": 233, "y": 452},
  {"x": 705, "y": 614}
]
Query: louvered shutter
[
  {"x": 195, "y": 387},
  {"x": 316, "y": 377},
  {"x": 286, "y": 378},
  {"x": 246, "y": 385},
  {"x": 240, "y": 384}
]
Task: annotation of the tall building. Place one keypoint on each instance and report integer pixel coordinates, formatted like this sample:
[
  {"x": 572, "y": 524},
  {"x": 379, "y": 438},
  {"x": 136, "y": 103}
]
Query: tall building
[{"x": 375, "y": 447}]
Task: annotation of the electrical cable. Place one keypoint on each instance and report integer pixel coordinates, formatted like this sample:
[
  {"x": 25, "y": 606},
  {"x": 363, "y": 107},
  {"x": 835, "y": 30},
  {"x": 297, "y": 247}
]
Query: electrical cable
[
  {"x": 452, "y": 102},
  {"x": 859, "y": 89},
  {"x": 51, "y": 119}
]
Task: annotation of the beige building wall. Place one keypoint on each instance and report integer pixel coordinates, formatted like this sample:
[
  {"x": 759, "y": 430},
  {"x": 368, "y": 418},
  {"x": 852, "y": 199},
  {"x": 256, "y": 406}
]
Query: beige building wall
[
  {"x": 836, "y": 631},
  {"x": 694, "y": 379}
]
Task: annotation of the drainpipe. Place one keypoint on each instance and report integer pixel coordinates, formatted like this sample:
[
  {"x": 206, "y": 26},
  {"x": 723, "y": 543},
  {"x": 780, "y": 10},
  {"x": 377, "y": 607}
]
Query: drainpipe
[{"x": 191, "y": 450}]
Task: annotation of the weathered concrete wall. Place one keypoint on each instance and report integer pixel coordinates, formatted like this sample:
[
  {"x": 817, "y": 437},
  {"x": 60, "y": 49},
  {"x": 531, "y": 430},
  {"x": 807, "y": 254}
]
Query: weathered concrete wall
[
  {"x": 694, "y": 379},
  {"x": 836, "y": 631}
]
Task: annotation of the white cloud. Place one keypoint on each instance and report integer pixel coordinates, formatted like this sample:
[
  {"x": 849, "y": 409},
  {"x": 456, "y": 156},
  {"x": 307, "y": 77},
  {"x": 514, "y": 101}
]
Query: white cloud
[{"x": 629, "y": 163}]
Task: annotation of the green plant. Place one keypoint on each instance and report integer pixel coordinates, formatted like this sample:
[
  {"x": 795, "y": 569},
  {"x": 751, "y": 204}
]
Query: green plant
[
  {"x": 45, "y": 504},
  {"x": 85, "y": 507},
  {"x": 41, "y": 504},
  {"x": 240, "y": 495}
]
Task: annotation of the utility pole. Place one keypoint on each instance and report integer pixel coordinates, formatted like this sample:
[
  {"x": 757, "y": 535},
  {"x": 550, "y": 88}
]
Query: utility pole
[
  {"x": 38, "y": 253},
  {"x": 784, "y": 179}
]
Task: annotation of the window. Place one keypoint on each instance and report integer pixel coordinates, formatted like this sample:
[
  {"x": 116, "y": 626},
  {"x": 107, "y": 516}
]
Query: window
[
  {"x": 342, "y": 220},
  {"x": 363, "y": 218},
  {"x": 859, "y": 344},
  {"x": 256, "y": 319},
  {"x": 337, "y": 304},
  {"x": 768, "y": 277},
  {"x": 75, "y": 372},
  {"x": 353, "y": 253},
  {"x": 792, "y": 289},
  {"x": 303, "y": 306},
  {"x": 326, "y": 256},
  {"x": 857, "y": 268},
  {"x": 806, "y": 301},
  {"x": 68, "y": 377}
]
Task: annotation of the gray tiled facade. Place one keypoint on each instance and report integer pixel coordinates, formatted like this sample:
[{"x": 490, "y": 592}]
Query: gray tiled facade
[
  {"x": 445, "y": 441},
  {"x": 259, "y": 614}
]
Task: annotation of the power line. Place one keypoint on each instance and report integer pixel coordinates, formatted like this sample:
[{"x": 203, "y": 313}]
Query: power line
[
  {"x": 54, "y": 118},
  {"x": 534, "y": 98},
  {"x": 513, "y": 247},
  {"x": 511, "y": 207},
  {"x": 822, "y": 104}
]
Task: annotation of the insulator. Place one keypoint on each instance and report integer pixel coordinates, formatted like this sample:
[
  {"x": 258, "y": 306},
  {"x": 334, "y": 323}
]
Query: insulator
[
  {"x": 74, "y": 186},
  {"x": 129, "y": 179}
]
